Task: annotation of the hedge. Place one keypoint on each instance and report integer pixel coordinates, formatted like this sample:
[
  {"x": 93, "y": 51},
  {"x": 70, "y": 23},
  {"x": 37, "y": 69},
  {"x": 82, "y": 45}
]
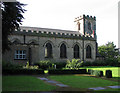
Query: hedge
[
  {"x": 56, "y": 71},
  {"x": 95, "y": 72},
  {"x": 106, "y": 62},
  {"x": 22, "y": 71},
  {"x": 47, "y": 64}
]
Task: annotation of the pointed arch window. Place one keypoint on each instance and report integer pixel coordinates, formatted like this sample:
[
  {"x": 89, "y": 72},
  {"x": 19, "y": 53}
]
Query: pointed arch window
[
  {"x": 63, "y": 51},
  {"x": 88, "y": 51},
  {"x": 48, "y": 51},
  {"x": 76, "y": 51}
]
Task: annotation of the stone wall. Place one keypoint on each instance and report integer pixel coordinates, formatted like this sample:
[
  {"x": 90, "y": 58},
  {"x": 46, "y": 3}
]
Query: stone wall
[{"x": 38, "y": 51}]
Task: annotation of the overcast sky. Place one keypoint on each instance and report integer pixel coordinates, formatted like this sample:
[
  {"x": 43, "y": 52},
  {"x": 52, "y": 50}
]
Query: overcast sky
[{"x": 60, "y": 14}]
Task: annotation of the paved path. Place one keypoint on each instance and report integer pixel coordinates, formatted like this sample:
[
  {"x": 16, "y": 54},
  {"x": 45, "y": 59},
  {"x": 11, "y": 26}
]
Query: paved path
[
  {"x": 101, "y": 88},
  {"x": 52, "y": 82}
]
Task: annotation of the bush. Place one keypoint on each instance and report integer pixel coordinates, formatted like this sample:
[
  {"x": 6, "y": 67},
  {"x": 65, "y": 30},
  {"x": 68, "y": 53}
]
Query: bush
[
  {"x": 60, "y": 65},
  {"x": 95, "y": 72},
  {"x": 108, "y": 74},
  {"x": 87, "y": 63},
  {"x": 22, "y": 71},
  {"x": 74, "y": 64},
  {"x": 106, "y": 62},
  {"x": 9, "y": 65},
  {"x": 98, "y": 73},
  {"x": 80, "y": 71},
  {"x": 44, "y": 64},
  {"x": 112, "y": 62},
  {"x": 47, "y": 64},
  {"x": 27, "y": 66},
  {"x": 90, "y": 71}
]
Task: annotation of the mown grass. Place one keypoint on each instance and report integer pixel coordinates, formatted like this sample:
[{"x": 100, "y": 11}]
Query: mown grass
[
  {"x": 114, "y": 90},
  {"x": 82, "y": 81},
  {"x": 24, "y": 83},
  {"x": 115, "y": 70}
]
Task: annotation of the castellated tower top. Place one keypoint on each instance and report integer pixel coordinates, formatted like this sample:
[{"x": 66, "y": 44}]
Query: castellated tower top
[{"x": 86, "y": 25}]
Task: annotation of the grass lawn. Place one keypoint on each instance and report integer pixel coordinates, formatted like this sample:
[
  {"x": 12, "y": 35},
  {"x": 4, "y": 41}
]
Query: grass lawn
[
  {"x": 24, "y": 83},
  {"x": 115, "y": 70},
  {"x": 82, "y": 81},
  {"x": 114, "y": 90}
]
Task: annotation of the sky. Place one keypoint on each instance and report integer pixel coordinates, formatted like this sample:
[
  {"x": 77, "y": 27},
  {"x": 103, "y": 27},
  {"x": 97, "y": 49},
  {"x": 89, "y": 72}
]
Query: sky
[{"x": 60, "y": 14}]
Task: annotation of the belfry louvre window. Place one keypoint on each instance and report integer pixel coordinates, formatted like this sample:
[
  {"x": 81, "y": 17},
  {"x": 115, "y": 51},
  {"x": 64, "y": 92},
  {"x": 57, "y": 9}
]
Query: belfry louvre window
[
  {"x": 20, "y": 54},
  {"x": 63, "y": 51},
  {"x": 89, "y": 26},
  {"x": 88, "y": 52},
  {"x": 76, "y": 51},
  {"x": 48, "y": 51}
]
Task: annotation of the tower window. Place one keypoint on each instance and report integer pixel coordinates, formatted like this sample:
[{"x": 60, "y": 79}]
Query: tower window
[
  {"x": 63, "y": 51},
  {"x": 89, "y": 26},
  {"x": 78, "y": 26},
  {"x": 76, "y": 51}
]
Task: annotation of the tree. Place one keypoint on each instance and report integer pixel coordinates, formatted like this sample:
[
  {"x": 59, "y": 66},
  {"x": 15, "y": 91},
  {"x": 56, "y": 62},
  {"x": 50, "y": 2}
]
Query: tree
[
  {"x": 11, "y": 19},
  {"x": 108, "y": 50}
]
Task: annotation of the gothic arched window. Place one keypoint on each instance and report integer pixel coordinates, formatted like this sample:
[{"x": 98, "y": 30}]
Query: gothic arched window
[
  {"x": 63, "y": 51},
  {"x": 88, "y": 51},
  {"x": 76, "y": 51},
  {"x": 48, "y": 50}
]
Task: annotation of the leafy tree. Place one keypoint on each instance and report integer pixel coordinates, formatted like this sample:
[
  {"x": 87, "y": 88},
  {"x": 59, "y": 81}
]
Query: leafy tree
[
  {"x": 11, "y": 19},
  {"x": 108, "y": 50}
]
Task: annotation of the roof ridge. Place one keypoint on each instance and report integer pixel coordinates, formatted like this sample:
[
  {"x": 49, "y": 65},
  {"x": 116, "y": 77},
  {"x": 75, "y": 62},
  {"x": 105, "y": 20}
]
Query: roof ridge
[{"x": 48, "y": 28}]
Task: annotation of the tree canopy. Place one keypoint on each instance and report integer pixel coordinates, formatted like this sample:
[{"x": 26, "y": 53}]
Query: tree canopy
[
  {"x": 108, "y": 50},
  {"x": 12, "y": 15}
]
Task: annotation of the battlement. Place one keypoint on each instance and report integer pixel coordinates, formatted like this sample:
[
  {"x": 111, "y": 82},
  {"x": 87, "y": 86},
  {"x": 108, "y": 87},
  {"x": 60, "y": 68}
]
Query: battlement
[
  {"x": 84, "y": 16},
  {"x": 45, "y": 32},
  {"x": 91, "y": 17}
]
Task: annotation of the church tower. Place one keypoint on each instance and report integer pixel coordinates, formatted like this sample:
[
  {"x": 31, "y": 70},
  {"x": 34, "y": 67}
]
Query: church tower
[{"x": 86, "y": 25}]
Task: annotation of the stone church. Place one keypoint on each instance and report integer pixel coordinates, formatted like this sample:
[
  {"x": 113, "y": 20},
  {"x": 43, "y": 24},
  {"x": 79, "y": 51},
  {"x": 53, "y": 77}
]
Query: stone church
[{"x": 34, "y": 44}]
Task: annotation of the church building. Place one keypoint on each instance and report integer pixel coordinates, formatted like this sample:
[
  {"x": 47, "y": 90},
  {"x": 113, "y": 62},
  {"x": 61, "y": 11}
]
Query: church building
[{"x": 34, "y": 44}]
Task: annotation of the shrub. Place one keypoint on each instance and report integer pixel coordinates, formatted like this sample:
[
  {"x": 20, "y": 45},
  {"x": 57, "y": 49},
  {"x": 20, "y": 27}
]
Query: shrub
[
  {"x": 90, "y": 71},
  {"x": 74, "y": 64},
  {"x": 98, "y": 73},
  {"x": 60, "y": 65},
  {"x": 27, "y": 66},
  {"x": 70, "y": 71},
  {"x": 95, "y": 72},
  {"x": 108, "y": 74},
  {"x": 98, "y": 63},
  {"x": 22, "y": 71},
  {"x": 44, "y": 64},
  {"x": 87, "y": 63},
  {"x": 47, "y": 64},
  {"x": 9, "y": 65},
  {"x": 112, "y": 62},
  {"x": 106, "y": 62}
]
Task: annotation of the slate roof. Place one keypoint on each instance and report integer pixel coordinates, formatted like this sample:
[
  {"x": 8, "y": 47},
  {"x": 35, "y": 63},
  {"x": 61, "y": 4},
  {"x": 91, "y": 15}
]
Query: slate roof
[{"x": 49, "y": 30}]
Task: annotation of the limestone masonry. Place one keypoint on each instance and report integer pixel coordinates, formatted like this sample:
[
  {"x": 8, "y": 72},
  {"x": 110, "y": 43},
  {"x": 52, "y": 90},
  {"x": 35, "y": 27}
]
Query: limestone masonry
[{"x": 34, "y": 44}]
